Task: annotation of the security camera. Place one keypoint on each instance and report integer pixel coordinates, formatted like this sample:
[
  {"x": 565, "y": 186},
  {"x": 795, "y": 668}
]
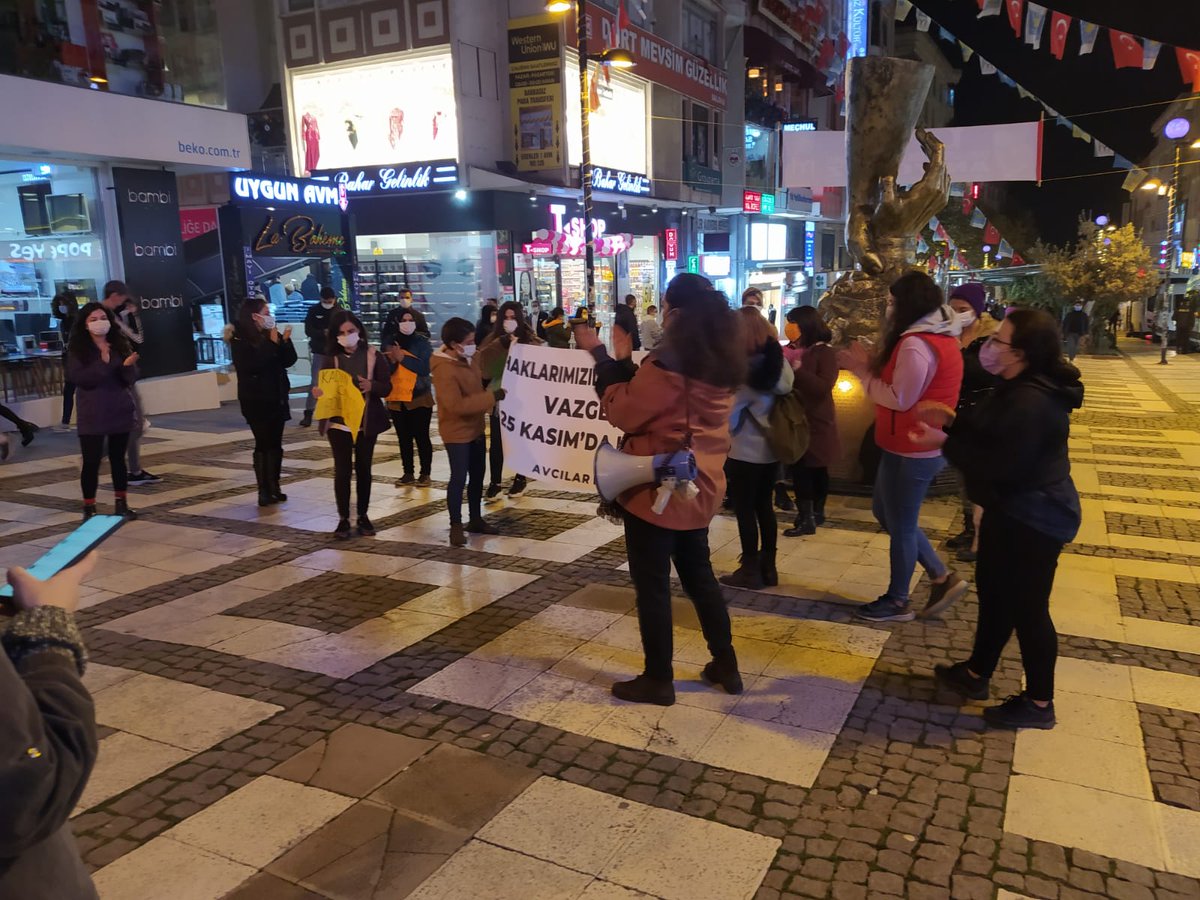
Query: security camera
[{"x": 713, "y": 210}]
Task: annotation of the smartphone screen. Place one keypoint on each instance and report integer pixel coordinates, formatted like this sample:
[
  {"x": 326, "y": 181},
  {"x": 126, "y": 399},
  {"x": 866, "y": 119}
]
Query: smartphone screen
[{"x": 71, "y": 549}]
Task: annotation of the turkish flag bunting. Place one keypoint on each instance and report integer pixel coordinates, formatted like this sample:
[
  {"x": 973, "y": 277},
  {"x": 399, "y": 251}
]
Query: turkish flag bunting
[
  {"x": 1060, "y": 27},
  {"x": 1018, "y": 259},
  {"x": 1189, "y": 66},
  {"x": 1016, "y": 17},
  {"x": 1127, "y": 50},
  {"x": 968, "y": 205},
  {"x": 991, "y": 234}
]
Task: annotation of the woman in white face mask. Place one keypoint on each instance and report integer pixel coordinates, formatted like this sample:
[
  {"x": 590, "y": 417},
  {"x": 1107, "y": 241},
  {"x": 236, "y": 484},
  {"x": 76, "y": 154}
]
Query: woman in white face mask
[
  {"x": 372, "y": 374},
  {"x": 409, "y": 349},
  {"x": 103, "y": 367},
  {"x": 510, "y": 327},
  {"x": 261, "y": 357}
]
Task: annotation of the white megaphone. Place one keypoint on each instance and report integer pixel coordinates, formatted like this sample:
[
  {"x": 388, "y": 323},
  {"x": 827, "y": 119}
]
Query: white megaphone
[{"x": 617, "y": 472}]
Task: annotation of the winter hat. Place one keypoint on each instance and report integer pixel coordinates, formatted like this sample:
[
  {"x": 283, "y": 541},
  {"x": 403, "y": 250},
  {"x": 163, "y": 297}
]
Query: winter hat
[{"x": 974, "y": 293}]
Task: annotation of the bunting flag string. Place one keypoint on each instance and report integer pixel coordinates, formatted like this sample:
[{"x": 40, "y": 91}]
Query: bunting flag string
[
  {"x": 923, "y": 21},
  {"x": 1102, "y": 150},
  {"x": 967, "y": 52},
  {"x": 989, "y": 8},
  {"x": 1088, "y": 33},
  {"x": 1035, "y": 21},
  {"x": 903, "y": 8},
  {"x": 1060, "y": 27}
]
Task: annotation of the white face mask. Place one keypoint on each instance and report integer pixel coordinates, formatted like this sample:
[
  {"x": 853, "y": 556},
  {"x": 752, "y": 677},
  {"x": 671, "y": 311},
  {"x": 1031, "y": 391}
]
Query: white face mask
[
  {"x": 266, "y": 322},
  {"x": 510, "y": 325},
  {"x": 966, "y": 318},
  {"x": 468, "y": 350},
  {"x": 406, "y": 302},
  {"x": 349, "y": 341},
  {"x": 408, "y": 327},
  {"x": 328, "y": 304},
  {"x": 99, "y": 327}
]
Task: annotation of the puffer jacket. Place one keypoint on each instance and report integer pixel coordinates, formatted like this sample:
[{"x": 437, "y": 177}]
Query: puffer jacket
[
  {"x": 749, "y": 421},
  {"x": 462, "y": 400},
  {"x": 656, "y": 407}
]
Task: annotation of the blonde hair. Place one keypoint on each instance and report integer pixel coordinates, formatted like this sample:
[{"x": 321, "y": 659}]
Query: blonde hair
[{"x": 756, "y": 330}]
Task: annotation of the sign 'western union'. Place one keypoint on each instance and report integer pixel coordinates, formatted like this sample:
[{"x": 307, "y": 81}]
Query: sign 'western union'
[{"x": 535, "y": 73}]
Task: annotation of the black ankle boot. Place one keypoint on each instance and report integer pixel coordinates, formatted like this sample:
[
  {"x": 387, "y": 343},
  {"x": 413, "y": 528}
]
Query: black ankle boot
[
  {"x": 805, "y": 523},
  {"x": 121, "y": 508},
  {"x": 723, "y": 671},
  {"x": 748, "y": 574},
  {"x": 261, "y": 462},
  {"x": 28, "y": 430},
  {"x": 770, "y": 577},
  {"x": 645, "y": 689},
  {"x": 89, "y": 510},
  {"x": 819, "y": 511},
  {"x": 274, "y": 473}
]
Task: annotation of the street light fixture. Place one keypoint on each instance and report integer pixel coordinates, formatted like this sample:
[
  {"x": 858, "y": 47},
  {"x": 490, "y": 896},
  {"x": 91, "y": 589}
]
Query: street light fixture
[{"x": 617, "y": 59}]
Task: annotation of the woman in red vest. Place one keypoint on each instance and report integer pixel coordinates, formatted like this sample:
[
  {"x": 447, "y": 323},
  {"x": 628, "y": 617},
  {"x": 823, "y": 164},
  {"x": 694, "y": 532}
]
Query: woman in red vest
[{"x": 919, "y": 361}]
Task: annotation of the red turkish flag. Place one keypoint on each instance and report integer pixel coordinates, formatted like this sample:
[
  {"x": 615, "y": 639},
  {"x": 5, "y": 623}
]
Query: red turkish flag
[
  {"x": 1189, "y": 66},
  {"x": 968, "y": 205},
  {"x": 1018, "y": 259},
  {"x": 1016, "y": 16},
  {"x": 1127, "y": 50},
  {"x": 622, "y": 25},
  {"x": 991, "y": 234},
  {"x": 1060, "y": 27}
]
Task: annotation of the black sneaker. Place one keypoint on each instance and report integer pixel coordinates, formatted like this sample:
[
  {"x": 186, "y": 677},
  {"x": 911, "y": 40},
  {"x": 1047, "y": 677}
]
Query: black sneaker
[
  {"x": 943, "y": 596},
  {"x": 306, "y": 419},
  {"x": 406, "y": 478},
  {"x": 365, "y": 528},
  {"x": 28, "y": 430},
  {"x": 1018, "y": 711},
  {"x": 518, "y": 486},
  {"x": 423, "y": 480},
  {"x": 885, "y": 609},
  {"x": 493, "y": 492},
  {"x": 644, "y": 689},
  {"x": 482, "y": 526},
  {"x": 342, "y": 532},
  {"x": 967, "y": 556},
  {"x": 143, "y": 477},
  {"x": 961, "y": 540},
  {"x": 959, "y": 678}
]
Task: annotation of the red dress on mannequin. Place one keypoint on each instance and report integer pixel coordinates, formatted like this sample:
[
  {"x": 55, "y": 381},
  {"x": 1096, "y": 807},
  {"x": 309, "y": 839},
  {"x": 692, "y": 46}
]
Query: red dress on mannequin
[{"x": 311, "y": 134}]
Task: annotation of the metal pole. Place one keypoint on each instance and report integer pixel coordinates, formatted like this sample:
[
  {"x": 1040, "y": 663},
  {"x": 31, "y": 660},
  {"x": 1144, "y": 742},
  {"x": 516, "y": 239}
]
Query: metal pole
[
  {"x": 585, "y": 168},
  {"x": 1172, "y": 210}
]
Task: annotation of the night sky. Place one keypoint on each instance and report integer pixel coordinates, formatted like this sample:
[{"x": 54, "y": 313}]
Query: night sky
[{"x": 1078, "y": 87}]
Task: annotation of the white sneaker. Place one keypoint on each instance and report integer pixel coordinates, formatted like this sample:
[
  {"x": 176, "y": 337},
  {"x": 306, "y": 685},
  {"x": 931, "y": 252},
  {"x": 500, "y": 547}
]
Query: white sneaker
[{"x": 62, "y": 429}]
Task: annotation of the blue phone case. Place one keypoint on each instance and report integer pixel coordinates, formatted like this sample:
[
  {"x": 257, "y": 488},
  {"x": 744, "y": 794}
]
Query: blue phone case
[{"x": 71, "y": 549}]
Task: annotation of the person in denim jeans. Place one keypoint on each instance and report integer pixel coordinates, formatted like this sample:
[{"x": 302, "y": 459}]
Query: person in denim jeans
[{"x": 919, "y": 363}]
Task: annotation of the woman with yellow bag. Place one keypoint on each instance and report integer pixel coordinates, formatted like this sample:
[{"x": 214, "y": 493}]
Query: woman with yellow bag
[{"x": 410, "y": 403}]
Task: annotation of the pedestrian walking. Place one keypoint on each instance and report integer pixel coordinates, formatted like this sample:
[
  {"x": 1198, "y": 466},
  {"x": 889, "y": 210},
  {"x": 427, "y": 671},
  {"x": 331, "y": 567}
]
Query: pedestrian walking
[
  {"x": 558, "y": 333},
  {"x": 1075, "y": 327},
  {"x": 680, "y": 396},
  {"x": 918, "y": 361},
  {"x": 816, "y": 373},
  {"x": 510, "y": 328},
  {"x": 1014, "y": 456},
  {"x": 26, "y": 429},
  {"x": 261, "y": 357},
  {"x": 125, "y": 316},
  {"x": 410, "y": 350},
  {"x": 391, "y": 325},
  {"x": 968, "y": 300},
  {"x": 462, "y": 403},
  {"x": 316, "y": 329},
  {"x": 752, "y": 464},
  {"x": 103, "y": 368},
  {"x": 66, "y": 309},
  {"x": 353, "y": 454},
  {"x": 538, "y": 317},
  {"x": 650, "y": 330},
  {"x": 626, "y": 318}
]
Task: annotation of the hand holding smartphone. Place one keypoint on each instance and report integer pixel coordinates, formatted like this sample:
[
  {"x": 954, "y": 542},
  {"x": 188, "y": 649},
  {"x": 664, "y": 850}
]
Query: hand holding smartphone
[{"x": 71, "y": 558}]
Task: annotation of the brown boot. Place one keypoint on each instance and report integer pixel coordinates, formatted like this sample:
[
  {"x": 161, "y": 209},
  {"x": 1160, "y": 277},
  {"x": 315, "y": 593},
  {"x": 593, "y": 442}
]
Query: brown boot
[
  {"x": 645, "y": 689},
  {"x": 748, "y": 574},
  {"x": 458, "y": 537}
]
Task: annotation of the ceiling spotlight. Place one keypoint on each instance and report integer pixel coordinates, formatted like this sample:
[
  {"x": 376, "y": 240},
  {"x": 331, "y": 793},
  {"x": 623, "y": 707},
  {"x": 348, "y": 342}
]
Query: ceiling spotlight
[
  {"x": 654, "y": 209},
  {"x": 533, "y": 196},
  {"x": 1151, "y": 185},
  {"x": 753, "y": 72},
  {"x": 557, "y": 6},
  {"x": 460, "y": 195}
]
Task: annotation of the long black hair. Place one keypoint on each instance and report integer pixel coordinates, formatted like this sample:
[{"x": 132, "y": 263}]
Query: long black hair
[
  {"x": 702, "y": 334},
  {"x": 524, "y": 334},
  {"x": 914, "y": 296},
  {"x": 83, "y": 347},
  {"x": 339, "y": 318},
  {"x": 812, "y": 325},
  {"x": 244, "y": 326},
  {"x": 1036, "y": 334}
]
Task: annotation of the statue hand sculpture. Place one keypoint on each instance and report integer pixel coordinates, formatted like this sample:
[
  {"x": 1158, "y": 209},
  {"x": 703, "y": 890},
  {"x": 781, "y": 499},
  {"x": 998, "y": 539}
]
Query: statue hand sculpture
[{"x": 903, "y": 214}]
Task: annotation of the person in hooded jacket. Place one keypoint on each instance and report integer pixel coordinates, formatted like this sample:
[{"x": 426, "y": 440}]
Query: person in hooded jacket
[
  {"x": 1015, "y": 460},
  {"x": 462, "y": 403},
  {"x": 919, "y": 360},
  {"x": 753, "y": 465},
  {"x": 680, "y": 396},
  {"x": 355, "y": 454},
  {"x": 408, "y": 347},
  {"x": 1075, "y": 327},
  {"x": 558, "y": 332},
  {"x": 488, "y": 313},
  {"x": 261, "y": 358},
  {"x": 511, "y": 328}
]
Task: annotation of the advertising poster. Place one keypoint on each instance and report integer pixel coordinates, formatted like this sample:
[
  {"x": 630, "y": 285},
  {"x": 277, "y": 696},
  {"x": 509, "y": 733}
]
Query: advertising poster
[
  {"x": 383, "y": 113},
  {"x": 550, "y": 419},
  {"x": 155, "y": 269},
  {"x": 535, "y": 89},
  {"x": 618, "y": 122}
]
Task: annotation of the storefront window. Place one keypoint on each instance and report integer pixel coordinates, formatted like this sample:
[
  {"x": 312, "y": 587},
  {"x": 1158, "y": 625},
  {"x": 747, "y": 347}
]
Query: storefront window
[
  {"x": 699, "y": 32},
  {"x": 643, "y": 271},
  {"x": 50, "y": 241},
  {"x": 760, "y": 158},
  {"x": 449, "y": 274}
]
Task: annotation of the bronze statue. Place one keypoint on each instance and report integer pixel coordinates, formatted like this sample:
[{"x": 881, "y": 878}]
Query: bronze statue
[{"x": 885, "y": 97}]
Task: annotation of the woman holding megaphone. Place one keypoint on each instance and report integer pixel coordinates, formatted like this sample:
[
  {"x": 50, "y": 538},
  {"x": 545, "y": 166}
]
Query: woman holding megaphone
[{"x": 680, "y": 397}]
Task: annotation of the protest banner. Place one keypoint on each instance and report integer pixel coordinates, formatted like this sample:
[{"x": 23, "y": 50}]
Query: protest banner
[
  {"x": 551, "y": 420},
  {"x": 340, "y": 396}
]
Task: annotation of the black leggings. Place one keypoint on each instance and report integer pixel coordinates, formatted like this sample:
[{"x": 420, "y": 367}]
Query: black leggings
[
  {"x": 1014, "y": 577},
  {"x": 752, "y": 490},
  {"x": 811, "y": 483},
  {"x": 496, "y": 449},
  {"x": 350, "y": 455},
  {"x": 412, "y": 425},
  {"x": 92, "y": 446},
  {"x": 268, "y": 433},
  {"x": 11, "y": 416}
]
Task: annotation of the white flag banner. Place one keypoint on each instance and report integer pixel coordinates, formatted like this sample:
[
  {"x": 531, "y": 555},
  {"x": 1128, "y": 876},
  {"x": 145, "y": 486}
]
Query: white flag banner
[
  {"x": 1100, "y": 149},
  {"x": 903, "y": 8},
  {"x": 550, "y": 417},
  {"x": 1035, "y": 20},
  {"x": 985, "y": 67},
  {"x": 923, "y": 21}
]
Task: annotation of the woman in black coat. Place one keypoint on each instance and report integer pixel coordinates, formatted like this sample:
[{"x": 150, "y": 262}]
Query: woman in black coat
[
  {"x": 261, "y": 357},
  {"x": 1013, "y": 455}
]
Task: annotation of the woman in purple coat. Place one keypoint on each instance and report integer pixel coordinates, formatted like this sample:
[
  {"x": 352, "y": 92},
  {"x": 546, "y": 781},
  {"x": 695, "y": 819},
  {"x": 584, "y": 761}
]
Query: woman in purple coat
[
  {"x": 103, "y": 369},
  {"x": 816, "y": 373}
]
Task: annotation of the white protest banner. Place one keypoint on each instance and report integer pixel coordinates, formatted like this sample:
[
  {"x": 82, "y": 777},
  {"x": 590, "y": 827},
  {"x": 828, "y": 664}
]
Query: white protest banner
[{"x": 550, "y": 419}]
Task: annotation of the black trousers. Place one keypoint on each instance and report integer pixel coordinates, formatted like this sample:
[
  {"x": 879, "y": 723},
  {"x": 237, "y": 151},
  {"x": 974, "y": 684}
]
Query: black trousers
[
  {"x": 351, "y": 455},
  {"x": 68, "y": 398},
  {"x": 496, "y": 449},
  {"x": 92, "y": 447},
  {"x": 268, "y": 433},
  {"x": 466, "y": 461},
  {"x": 811, "y": 483},
  {"x": 651, "y": 550},
  {"x": 752, "y": 490},
  {"x": 1014, "y": 577},
  {"x": 11, "y": 416},
  {"x": 412, "y": 426}
]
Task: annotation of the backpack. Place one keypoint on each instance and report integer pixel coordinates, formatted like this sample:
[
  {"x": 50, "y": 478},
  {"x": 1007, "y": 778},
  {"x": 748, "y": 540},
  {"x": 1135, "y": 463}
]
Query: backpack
[{"x": 788, "y": 434}]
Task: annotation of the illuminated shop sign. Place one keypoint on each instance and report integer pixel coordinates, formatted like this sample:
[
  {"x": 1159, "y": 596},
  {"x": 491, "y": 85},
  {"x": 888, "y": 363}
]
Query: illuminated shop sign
[
  {"x": 800, "y": 125},
  {"x": 387, "y": 181},
  {"x": 267, "y": 191},
  {"x": 619, "y": 182}
]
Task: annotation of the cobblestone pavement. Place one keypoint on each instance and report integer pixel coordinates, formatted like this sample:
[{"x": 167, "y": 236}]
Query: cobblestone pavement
[{"x": 286, "y": 717}]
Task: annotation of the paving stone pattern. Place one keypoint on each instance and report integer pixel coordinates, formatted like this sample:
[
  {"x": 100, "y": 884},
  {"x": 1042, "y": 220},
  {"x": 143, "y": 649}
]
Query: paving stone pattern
[
  {"x": 1162, "y": 601},
  {"x": 1173, "y": 753}
]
